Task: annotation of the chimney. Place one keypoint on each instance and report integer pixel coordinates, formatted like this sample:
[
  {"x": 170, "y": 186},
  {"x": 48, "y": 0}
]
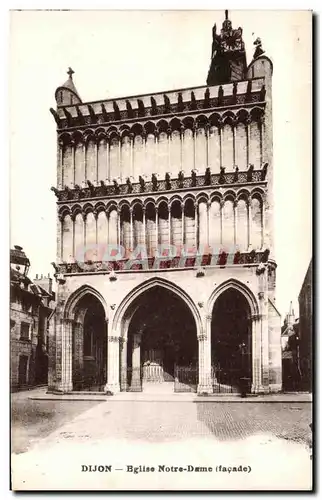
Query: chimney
[{"x": 36, "y": 276}]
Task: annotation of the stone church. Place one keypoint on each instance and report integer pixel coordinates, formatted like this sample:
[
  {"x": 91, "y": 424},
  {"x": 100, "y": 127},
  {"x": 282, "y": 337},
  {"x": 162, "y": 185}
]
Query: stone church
[{"x": 165, "y": 254}]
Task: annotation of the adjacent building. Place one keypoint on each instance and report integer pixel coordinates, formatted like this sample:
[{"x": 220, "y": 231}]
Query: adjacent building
[
  {"x": 305, "y": 330},
  {"x": 30, "y": 305},
  {"x": 165, "y": 250}
]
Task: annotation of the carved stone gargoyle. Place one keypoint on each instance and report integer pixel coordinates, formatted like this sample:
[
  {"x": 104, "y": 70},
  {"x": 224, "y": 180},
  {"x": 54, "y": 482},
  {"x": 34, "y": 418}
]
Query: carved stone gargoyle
[{"x": 142, "y": 184}]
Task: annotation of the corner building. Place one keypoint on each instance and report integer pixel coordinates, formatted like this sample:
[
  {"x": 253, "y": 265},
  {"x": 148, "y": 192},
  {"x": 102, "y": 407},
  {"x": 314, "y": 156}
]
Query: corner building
[{"x": 185, "y": 176}]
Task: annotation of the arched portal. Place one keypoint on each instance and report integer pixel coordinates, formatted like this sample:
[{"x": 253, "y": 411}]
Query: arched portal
[
  {"x": 231, "y": 342},
  {"x": 162, "y": 343},
  {"x": 89, "y": 345}
]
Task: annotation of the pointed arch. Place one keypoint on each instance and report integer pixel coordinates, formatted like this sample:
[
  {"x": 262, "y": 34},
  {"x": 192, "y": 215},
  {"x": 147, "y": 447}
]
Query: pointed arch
[
  {"x": 74, "y": 298},
  {"x": 130, "y": 298},
  {"x": 234, "y": 284}
]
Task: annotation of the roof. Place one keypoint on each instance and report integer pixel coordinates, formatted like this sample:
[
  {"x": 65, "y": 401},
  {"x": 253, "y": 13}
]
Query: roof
[
  {"x": 69, "y": 84},
  {"x": 18, "y": 256}
]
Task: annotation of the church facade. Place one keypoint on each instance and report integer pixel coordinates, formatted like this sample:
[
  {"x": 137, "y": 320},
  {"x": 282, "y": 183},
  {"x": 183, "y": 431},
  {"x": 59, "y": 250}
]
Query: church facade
[{"x": 165, "y": 253}]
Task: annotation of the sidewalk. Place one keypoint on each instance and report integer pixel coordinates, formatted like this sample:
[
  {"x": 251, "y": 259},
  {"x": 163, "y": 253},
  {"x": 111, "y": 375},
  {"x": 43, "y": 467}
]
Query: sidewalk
[{"x": 41, "y": 394}]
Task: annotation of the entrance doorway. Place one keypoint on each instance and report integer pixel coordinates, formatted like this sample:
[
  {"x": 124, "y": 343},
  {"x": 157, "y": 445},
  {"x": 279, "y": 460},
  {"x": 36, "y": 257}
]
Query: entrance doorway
[
  {"x": 90, "y": 346},
  {"x": 162, "y": 340},
  {"x": 231, "y": 343}
]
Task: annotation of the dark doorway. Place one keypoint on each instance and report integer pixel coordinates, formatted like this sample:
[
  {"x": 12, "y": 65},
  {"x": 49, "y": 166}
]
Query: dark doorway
[
  {"x": 90, "y": 347},
  {"x": 231, "y": 346},
  {"x": 23, "y": 365},
  {"x": 166, "y": 330}
]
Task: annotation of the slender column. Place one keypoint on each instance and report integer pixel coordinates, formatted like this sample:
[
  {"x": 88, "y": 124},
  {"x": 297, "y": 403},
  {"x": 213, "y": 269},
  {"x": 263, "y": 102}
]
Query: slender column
[
  {"x": 60, "y": 221},
  {"x": 157, "y": 226},
  {"x": 113, "y": 364},
  {"x": 169, "y": 131},
  {"x": 249, "y": 212},
  {"x": 123, "y": 346},
  {"x": 60, "y": 181},
  {"x": 221, "y": 220},
  {"x": 208, "y": 222},
  {"x": 257, "y": 385},
  {"x": 207, "y": 127},
  {"x": 96, "y": 160},
  {"x": 118, "y": 226},
  {"x": 120, "y": 157},
  {"x": 233, "y": 126},
  {"x": 84, "y": 160},
  {"x": 220, "y": 126},
  {"x": 235, "y": 222},
  {"x": 247, "y": 123},
  {"x": 182, "y": 129},
  {"x": 196, "y": 205},
  {"x": 131, "y": 135},
  {"x": 66, "y": 384},
  {"x": 84, "y": 233},
  {"x": 136, "y": 363},
  {"x": 96, "y": 233},
  {"x": 182, "y": 225},
  {"x": 131, "y": 229},
  {"x": 73, "y": 236},
  {"x": 108, "y": 168},
  {"x": 73, "y": 145},
  {"x": 144, "y": 228},
  {"x": 169, "y": 224},
  {"x": 204, "y": 342},
  {"x": 194, "y": 138},
  {"x": 260, "y": 126}
]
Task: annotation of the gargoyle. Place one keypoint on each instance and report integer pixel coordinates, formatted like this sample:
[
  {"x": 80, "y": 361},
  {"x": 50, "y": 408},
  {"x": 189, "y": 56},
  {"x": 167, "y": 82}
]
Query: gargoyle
[
  {"x": 181, "y": 179},
  {"x": 116, "y": 187},
  {"x": 129, "y": 185},
  {"x": 91, "y": 187},
  {"x": 250, "y": 172},
  {"x": 154, "y": 182},
  {"x": 193, "y": 178},
  {"x": 207, "y": 177},
  {"x": 222, "y": 179},
  {"x": 142, "y": 184},
  {"x": 167, "y": 181}
]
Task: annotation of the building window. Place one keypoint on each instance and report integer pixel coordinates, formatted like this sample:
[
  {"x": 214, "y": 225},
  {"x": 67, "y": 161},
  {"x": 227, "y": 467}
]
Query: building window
[{"x": 24, "y": 331}]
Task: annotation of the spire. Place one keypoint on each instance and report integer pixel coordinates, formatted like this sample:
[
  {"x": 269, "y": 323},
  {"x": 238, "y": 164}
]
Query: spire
[{"x": 228, "y": 57}]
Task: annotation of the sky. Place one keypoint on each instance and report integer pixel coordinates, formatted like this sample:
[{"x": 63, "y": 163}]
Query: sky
[{"x": 124, "y": 53}]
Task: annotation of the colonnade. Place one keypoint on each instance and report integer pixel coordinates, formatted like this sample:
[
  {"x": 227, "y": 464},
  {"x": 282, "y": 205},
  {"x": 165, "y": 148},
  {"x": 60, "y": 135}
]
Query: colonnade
[
  {"x": 192, "y": 222},
  {"x": 140, "y": 150}
]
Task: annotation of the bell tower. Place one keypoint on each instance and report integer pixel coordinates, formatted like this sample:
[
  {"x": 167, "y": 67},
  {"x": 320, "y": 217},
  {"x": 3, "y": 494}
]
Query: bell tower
[{"x": 228, "y": 55}]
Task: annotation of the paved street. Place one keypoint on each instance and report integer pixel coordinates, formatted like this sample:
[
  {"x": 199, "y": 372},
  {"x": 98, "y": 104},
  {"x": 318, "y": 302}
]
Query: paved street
[{"x": 51, "y": 440}]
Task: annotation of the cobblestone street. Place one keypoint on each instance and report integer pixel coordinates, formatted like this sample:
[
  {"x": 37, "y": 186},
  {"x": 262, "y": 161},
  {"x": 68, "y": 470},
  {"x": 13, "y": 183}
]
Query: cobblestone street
[{"x": 53, "y": 439}]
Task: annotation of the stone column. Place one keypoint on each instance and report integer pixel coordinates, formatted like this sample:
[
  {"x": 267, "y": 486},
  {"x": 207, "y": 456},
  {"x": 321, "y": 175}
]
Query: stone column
[
  {"x": 118, "y": 225},
  {"x": 182, "y": 225},
  {"x": 136, "y": 363},
  {"x": 249, "y": 214},
  {"x": 144, "y": 227},
  {"x": 196, "y": 206},
  {"x": 113, "y": 364},
  {"x": 220, "y": 126},
  {"x": 207, "y": 127},
  {"x": 204, "y": 341},
  {"x": 247, "y": 124},
  {"x": 123, "y": 347},
  {"x": 74, "y": 166},
  {"x": 257, "y": 385},
  {"x": 157, "y": 227},
  {"x": 66, "y": 384},
  {"x": 131, "y": 229}
]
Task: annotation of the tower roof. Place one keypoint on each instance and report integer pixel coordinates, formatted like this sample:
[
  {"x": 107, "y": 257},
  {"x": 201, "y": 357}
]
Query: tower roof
[{"x": 69, "y": 86}]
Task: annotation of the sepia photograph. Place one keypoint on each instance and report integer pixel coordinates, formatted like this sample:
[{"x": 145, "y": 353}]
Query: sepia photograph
[{"x": 161, "y": 250}]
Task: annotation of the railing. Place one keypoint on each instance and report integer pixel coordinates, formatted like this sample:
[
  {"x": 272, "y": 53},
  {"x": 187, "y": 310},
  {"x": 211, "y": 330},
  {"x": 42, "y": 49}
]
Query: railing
[
  {"x": 185, "y": 378},
  {"x": 222, "y": 259},
  {"x": 229, "y": 178}
]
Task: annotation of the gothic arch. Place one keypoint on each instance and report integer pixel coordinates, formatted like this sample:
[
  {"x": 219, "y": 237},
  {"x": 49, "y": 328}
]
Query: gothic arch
[
  {"x": 126, "y": 303},
  {"x": 236, "y": 285},
  {"x": 74, "y": 298}
]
